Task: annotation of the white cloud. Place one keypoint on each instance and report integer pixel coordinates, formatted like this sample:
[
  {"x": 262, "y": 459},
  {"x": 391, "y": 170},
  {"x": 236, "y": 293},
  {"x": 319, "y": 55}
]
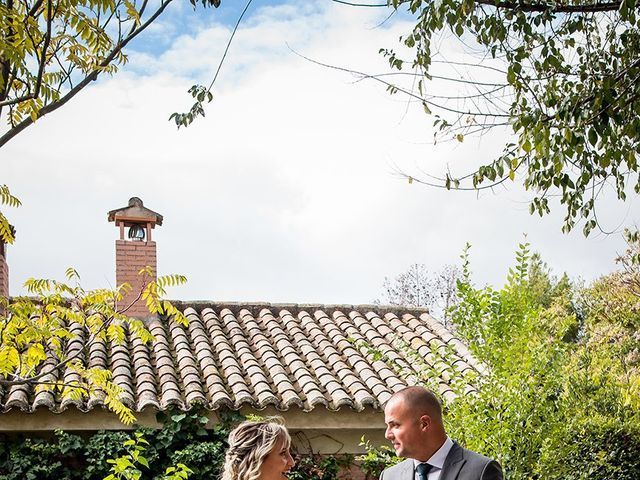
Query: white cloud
[{"x": 284, "y": 191}]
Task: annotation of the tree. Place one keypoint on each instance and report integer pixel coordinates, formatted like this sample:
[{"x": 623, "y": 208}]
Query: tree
[
  {"x": 418, "y": 287},
  {"x": 562, "y": 77},
  {"x": 611, "y": 306},
  {"x": 50, "y": 50},
  {"x": 559, "y": 396}
]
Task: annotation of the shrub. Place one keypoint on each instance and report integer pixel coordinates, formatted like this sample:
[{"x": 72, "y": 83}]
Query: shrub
[
  {"x": 560, "y": 399},
  {"x": 595, "y": 449},
  {"x": 183, "y": 439}
]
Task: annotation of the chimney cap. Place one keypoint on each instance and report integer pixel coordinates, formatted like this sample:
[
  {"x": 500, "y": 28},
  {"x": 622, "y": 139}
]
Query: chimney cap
[{"x": 135, "y": 212}]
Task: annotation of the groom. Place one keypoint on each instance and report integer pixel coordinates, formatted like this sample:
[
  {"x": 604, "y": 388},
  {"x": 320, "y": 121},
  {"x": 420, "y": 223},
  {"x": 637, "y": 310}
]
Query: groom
[{"x": 414, "y": 427}]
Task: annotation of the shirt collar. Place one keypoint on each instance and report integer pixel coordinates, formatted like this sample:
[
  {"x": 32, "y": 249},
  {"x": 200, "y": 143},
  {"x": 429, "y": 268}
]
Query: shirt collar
[{"x": 438, "y": 458}]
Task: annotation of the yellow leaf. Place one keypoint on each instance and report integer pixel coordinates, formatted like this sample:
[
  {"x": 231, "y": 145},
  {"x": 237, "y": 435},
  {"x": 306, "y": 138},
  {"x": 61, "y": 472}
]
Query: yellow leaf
[
  {"x": 9, "y": 360},
  {"x": 132, "y": 12}
]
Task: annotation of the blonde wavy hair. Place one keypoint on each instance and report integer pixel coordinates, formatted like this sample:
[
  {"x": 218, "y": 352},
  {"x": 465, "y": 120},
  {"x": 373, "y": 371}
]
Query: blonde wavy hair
[{"x": 249, "y": 444}]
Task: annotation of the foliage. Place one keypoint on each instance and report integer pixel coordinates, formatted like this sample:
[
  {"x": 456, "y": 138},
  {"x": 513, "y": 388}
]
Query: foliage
[
  {"x": 376, "y": 459},
  {"x": 68, "y": 457},
  {"x": 562, "y": 376},
  {"x": 7, "y": 235},
  {"x": 611, "y": 337},
  {"x": 609, "y": 448},
  {"x": 51, "y": 49},
  {"x": 418, "y": 287},
  {"x": 126, "y": 466},
  {"x": 184, "y": 439},
  {"x": 95, "y": 450},
  {"x": 319, "y": 467},
  {"x": 150, "y": 453},
  {"x": 562, "y": 76},
  {"x": 43, "y": 337}
]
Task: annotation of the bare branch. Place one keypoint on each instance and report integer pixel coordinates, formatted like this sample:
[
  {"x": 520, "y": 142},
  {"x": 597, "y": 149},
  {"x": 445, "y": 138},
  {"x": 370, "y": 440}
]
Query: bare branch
[{"x": 411, "y": 94}]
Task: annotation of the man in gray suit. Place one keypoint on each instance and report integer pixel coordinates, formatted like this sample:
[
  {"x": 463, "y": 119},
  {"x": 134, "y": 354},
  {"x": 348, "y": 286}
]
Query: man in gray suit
[{"x": 416, "y": 431}]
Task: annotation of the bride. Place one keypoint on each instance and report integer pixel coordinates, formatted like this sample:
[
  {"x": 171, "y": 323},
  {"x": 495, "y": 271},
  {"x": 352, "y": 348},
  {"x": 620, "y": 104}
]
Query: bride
[{"x": 258, "y": 450}]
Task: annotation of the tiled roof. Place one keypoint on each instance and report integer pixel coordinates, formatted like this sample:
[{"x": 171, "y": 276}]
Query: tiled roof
[{"x": 232, "y": 355}]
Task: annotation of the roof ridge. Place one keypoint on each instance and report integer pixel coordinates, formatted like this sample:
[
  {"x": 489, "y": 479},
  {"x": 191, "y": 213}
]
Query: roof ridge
[{"x": 295, "y": 308}]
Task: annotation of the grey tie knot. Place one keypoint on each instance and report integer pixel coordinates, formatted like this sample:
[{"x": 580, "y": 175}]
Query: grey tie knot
[{"x": 422, "y": 469}]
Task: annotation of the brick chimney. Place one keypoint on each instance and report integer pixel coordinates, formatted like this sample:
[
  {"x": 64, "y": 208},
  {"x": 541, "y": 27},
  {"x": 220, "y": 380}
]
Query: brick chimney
[{"x": 135, "y": 252}]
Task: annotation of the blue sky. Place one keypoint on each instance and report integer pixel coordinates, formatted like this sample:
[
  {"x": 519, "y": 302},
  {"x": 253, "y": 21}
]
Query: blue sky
[
  {"x": 285, "y": 191},
  {"x": 183, "y": 19}
]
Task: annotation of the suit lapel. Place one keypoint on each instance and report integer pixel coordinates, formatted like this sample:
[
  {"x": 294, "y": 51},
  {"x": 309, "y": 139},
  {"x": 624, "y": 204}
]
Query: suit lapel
[
  {"x": 408, "y": 470},
  {"x": 453, "y": 463}
]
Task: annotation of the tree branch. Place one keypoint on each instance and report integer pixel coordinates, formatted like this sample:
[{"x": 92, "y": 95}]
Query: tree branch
[
  {"x": 523, "y": 7},
  {"x": 365, "y": 76},
  {"x": 15, "y": 130},
  {"x": 42, "y": 61},
  {"x": 544, "y": 7}
]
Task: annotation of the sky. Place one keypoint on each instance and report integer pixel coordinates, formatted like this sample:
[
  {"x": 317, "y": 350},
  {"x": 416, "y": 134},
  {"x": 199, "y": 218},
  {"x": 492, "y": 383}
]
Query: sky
[{"x": 287, "y": 190}]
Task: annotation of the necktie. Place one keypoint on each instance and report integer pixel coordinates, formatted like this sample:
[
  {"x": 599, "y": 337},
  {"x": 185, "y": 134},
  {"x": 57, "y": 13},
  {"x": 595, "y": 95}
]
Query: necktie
[{"x": 423, "y": 471}]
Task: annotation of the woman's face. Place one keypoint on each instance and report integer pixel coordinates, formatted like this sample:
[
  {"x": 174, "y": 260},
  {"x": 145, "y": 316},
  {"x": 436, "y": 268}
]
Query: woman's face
[{"x": 277, "y": 463}]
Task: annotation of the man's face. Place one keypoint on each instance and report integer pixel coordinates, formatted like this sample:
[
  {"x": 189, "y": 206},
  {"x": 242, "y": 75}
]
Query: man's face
[{"x": 405, "y": 429}]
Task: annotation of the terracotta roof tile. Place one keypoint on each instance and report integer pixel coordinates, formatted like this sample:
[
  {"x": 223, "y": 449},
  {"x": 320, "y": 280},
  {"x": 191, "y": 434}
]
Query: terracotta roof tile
[{"x": 308, "y": 356}]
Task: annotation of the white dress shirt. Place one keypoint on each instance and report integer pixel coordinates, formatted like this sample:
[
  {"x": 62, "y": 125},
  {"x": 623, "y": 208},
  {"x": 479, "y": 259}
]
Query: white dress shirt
[{"x": 436, "y": 461}]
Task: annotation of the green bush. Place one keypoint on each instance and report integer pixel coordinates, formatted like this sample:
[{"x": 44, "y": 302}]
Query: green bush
[
  {"x": 319, "y": 467},
  {"x": 376, "y": 459},
  {"x": 183, "y": 439},
  {"x": 30, "y": 459},
  {"x": 204, "y": 458},
  {"x": 596, "y": 449}
]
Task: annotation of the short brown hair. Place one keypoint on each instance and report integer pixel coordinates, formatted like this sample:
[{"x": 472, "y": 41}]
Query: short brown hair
[{"x": 420, "y": 398}]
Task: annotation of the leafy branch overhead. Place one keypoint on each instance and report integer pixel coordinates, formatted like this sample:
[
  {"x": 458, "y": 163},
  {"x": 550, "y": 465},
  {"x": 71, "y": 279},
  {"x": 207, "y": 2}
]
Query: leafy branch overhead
[
  {"x": 52, "y": 49},
  {"x": 563, "y": 77},
  {"x": 201, "y": 93}
]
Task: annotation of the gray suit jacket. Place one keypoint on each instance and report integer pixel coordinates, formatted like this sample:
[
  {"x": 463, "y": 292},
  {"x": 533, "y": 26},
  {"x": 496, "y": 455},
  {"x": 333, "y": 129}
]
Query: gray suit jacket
[{"x": 460, "y": 464}]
